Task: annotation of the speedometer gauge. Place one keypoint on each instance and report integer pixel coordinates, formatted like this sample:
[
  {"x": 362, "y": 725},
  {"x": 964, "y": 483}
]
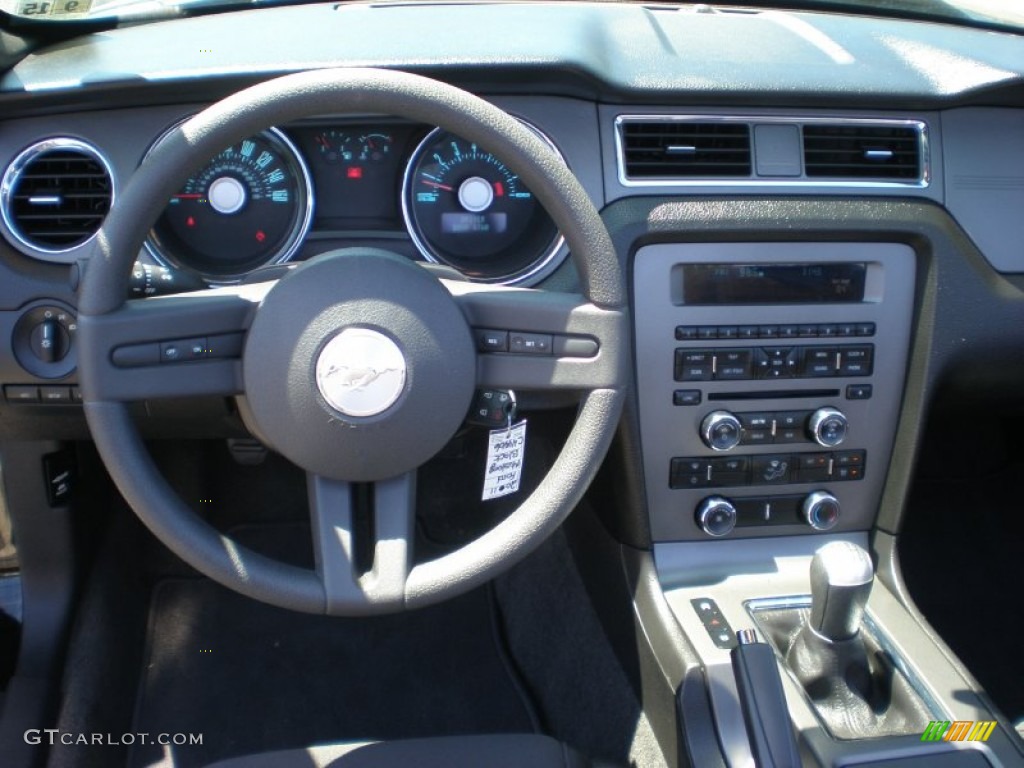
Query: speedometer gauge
[
  {"x": 249, "y": 206},
  {"x": 465, "y": 208}
]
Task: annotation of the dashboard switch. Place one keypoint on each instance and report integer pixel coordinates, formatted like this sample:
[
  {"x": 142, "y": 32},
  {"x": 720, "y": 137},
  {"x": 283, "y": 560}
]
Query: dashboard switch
[
  {"x": 721, "y": 431},
  {"x": 828, "y": 427},
  {"x": 488, "y": 340},
  {"x": 716, "y": 516},
  {"x": 49, "y": 341},
  {"x": 529, "y": 343},
  {"x": 20, "y": 393},
  {"x": 821, "y": 510}
]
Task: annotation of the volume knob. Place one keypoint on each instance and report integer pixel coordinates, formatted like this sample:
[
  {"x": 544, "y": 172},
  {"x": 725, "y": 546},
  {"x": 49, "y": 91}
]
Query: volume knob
[
  {"x": 716, "y": 516},
  {"x": 828, "y": 427},
  {"x": 721, "y": 431}
]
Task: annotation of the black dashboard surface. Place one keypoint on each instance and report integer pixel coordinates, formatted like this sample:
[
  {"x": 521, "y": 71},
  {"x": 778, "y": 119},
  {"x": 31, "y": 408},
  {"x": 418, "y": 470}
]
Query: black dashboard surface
[{"x": 631, "y": 52}]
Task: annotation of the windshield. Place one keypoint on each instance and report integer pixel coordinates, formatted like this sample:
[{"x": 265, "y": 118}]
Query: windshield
[{"x": 1007, "y": 14}]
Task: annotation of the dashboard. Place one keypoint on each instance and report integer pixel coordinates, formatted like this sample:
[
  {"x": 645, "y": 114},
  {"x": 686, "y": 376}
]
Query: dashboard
[
  {"x": 257, "y": 203},
  {"x": 813, "y": 244}
]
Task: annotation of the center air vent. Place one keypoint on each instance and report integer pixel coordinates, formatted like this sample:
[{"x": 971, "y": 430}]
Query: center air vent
[
  {"x": 55, "y": 195},
  {"x": 674, "y": 149},
  {"x": 863, "y": 151}
]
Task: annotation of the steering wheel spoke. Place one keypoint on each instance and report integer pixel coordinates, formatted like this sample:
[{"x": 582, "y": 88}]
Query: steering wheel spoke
[
  {"x": 178, "y": 345},
  {"x": 363, "y": 540},
  {"x": 540, "y": 340}
]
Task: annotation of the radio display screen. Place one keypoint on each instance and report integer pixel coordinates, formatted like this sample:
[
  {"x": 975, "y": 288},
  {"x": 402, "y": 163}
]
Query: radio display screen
[{"x": 836, "y": 283}]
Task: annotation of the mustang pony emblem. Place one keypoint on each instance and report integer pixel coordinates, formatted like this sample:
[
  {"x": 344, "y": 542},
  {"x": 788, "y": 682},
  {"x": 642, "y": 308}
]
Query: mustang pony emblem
[
  {"x": 361, "y": 372},
  {"x": 357, "y": 377}
]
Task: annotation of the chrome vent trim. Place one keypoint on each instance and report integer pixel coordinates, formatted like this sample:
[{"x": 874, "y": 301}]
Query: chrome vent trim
[
  {"x": 919, "y": 128},
  {"x": 55, "y": 195}
]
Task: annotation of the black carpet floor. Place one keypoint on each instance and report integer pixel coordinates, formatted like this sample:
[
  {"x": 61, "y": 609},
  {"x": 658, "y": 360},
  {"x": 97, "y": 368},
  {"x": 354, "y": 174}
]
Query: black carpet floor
[
  {"x": 249, "y": 677},
  {"x": 158, "y": 649}
]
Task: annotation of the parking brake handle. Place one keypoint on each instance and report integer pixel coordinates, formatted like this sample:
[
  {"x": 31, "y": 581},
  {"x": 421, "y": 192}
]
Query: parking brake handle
[{"x": 763, "y": 701}]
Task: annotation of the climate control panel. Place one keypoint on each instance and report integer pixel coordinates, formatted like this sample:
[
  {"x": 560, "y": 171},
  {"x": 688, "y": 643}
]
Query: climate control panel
[
  {"x": 769, "y": 381},
  {"x": 719, "y": 516}
]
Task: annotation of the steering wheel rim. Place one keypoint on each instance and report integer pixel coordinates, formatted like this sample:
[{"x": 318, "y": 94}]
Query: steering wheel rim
[{"x": 106, "y": 320}]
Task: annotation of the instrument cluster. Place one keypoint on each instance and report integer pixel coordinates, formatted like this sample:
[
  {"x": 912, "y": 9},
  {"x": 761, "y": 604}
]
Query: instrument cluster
[{"x": 259, "y": 202}]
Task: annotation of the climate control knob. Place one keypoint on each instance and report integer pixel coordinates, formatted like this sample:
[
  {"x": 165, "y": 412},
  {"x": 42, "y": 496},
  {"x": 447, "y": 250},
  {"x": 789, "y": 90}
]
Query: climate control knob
[
  {"x": 821, "y": 510},
  {"x": 828, "y": 427},
  {"x": 721, "y": 431},
  {"x": 716, "y": 516}
]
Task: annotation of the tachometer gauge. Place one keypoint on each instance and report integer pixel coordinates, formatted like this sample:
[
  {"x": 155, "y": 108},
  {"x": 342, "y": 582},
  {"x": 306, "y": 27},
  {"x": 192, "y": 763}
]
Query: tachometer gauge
[
  {"x": 465, "y": 208},
  {"x": 249, "y": 206}
]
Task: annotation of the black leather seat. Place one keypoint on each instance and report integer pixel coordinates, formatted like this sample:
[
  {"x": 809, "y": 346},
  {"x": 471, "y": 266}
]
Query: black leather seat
[{"x": 491, "y": 751}]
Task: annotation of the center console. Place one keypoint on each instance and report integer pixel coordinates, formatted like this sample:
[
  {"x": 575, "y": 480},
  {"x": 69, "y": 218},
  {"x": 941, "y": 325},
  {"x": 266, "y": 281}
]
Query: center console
[{"x": 770, "y": 377}]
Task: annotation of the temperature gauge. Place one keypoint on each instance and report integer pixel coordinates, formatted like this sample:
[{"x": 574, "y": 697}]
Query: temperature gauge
[{"x": 374, "y": 147}]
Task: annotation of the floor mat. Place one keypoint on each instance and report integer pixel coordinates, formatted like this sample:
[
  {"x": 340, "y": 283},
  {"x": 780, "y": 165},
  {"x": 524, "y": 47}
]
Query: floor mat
[{"x": 250, "y": 678}]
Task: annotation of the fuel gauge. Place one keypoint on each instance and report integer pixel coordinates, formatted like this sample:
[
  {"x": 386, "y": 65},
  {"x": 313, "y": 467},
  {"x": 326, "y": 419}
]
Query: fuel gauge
[{"x": 334, "y": 146}]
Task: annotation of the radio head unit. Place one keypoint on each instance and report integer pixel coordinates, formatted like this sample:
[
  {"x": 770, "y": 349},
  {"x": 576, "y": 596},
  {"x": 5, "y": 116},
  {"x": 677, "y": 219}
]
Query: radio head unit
[{"x": 769, "y": 379}]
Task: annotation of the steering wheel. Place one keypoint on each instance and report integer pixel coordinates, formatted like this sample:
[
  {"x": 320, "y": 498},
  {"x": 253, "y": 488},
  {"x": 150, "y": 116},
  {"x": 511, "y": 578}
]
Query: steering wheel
[{"x": 367, "y": 311}]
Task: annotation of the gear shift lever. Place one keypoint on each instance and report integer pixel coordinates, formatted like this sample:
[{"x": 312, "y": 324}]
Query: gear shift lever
[
  {"x": 841, "y": 578},
  {"x": 854, "y": 685}
]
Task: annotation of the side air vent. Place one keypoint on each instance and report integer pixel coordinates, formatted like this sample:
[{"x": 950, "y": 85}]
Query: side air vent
[
  {"x": 684, "y": 149},
  {"x": 55, "y": 194},
  {"x": 863, "y": 151}
]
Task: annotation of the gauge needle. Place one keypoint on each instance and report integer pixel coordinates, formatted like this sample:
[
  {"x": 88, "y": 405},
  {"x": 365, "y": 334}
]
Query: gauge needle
[
  {"x": 445, "y": 187},
  {"x": 189, "y": 197}
]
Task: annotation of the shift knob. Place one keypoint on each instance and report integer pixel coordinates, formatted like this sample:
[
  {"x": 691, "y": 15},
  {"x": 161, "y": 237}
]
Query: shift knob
[{"x": 841, "y": 576}]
